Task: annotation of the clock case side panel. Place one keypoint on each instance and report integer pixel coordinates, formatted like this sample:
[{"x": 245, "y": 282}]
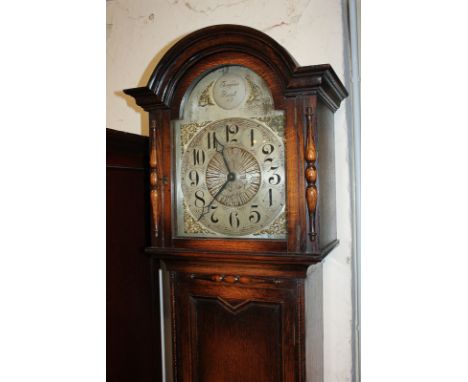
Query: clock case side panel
[
  {"x": 323, "y": 216},
  {"x": 326, "y": 206}
]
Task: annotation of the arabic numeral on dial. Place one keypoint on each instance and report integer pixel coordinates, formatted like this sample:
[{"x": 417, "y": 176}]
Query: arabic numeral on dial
[
  {"x": 198, "y": 157},
  {"x": 274, "y": 179},
  {"x": 231, "y": 130},
  {"x": 268, "y": 148},
  {"x": 254, "y": 216},
  {"x": 199, "y": 199},
  {"x": 212, "y": 217},
  {"x": 194, "y": 178},
  {"x": 234, "y": 220},
  {"x": 269, "y": 162},
  {"x": 211, "y": 136}
]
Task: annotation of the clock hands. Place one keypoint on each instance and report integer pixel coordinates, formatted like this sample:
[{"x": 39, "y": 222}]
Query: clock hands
[
  {"x": 230, "y": 177},
  {"x": 216, "y": 143},
  {"x": 207, "y": 208}
]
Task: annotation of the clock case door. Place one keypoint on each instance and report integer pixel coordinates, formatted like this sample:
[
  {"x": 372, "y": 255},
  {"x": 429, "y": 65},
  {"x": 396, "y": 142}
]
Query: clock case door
[
  {"x": 237, "y": 328},
  {"x": 224, "y": 290}
]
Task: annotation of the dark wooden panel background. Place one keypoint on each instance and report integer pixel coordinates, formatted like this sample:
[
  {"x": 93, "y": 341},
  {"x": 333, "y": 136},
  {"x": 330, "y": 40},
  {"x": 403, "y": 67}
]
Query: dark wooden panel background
[
  {"x": 133, "y": 337},
  {"x": 238, "y": 346}
]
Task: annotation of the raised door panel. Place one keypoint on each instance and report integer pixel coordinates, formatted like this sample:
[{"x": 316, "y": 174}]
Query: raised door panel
[
  {"x": 229, "y": 331},
  {"x": 237, "y": 344}
]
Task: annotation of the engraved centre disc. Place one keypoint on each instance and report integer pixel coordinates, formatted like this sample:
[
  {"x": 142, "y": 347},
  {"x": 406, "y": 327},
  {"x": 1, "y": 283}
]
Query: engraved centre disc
[{"x": 239, "y": 183}]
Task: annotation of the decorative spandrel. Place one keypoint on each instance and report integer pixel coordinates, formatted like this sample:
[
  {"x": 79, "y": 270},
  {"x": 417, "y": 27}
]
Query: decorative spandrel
[{"x": 230, "y": 173}]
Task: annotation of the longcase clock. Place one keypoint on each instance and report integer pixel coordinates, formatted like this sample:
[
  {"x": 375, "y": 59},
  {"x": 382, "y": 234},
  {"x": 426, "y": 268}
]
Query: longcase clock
[{"x": 242, "y": 200}]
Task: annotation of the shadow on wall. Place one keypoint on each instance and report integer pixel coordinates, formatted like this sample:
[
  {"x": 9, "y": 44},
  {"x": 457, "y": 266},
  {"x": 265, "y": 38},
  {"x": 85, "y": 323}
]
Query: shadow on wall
[
  {"x": 143, "y": 82},
  {"x": 144, "y": 120}
]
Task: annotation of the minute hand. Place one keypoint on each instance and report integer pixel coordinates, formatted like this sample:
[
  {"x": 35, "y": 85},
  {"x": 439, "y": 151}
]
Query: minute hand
[{"x": 207, "y": 208}]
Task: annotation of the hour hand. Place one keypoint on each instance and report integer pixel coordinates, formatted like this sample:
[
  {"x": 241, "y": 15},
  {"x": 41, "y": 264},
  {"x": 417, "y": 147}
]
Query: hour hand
[
  {"x": 220, "y": 149},
  {"x": 218, "y": 146}
]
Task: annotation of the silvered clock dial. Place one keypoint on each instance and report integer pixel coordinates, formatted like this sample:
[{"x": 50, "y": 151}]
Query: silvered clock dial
[
  {"x": 232, "y": 176},
  {"x": 230, "y": 172}
]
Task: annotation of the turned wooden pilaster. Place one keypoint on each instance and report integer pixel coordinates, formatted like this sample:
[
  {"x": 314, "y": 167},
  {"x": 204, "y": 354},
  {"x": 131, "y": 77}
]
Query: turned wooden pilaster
[
  {"x": 311, "y": 170},
  {"x": 154, "y": 182}
]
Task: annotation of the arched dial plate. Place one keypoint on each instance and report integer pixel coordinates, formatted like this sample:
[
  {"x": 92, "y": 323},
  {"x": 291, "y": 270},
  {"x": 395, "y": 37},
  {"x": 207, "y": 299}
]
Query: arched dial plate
[{"x": 232, "y": 177}]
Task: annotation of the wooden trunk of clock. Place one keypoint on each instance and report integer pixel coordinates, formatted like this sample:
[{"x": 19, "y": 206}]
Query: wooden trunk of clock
[{"x": 242, "y": 200}]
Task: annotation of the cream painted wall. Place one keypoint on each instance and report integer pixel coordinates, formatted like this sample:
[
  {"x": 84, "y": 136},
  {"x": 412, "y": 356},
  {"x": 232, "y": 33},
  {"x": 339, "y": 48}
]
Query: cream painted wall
[{"x": 139, "y": 32}]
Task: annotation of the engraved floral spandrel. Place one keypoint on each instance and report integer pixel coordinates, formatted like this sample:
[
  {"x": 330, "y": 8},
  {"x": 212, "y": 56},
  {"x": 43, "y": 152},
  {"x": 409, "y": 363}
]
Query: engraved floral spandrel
[
  {"x": 255, "y": 91},
  {"x": 189, "y": 130},
  {"x": 278, "y": 227},
  {"x": 274, "y": 122},
  {"x": 191, "y": 225},
  {"x": 258, "y": 101},
  {"x": 205, "y": 97}
]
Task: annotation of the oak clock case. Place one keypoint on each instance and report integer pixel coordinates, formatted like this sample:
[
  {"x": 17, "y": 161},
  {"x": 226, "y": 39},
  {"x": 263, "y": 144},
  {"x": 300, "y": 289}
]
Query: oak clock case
[
  {"x": 229, "y": 162},
  {"x": 242, "y": 187}
]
